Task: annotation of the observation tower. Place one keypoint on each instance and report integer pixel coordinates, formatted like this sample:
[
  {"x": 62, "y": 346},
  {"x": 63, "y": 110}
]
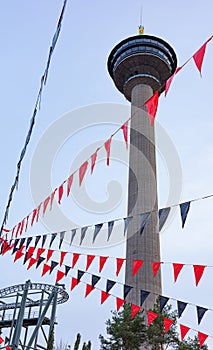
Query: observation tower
[{"x": 140, "y": 66}]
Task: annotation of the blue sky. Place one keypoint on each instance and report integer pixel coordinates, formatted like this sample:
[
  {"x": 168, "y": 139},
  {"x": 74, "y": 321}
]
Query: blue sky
[{"x": 78, "y": 77}]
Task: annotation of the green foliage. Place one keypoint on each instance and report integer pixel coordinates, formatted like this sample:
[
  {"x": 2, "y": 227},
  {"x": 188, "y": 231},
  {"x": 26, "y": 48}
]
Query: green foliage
[
  {"x": 127, "y": 334},
  {"x": 124, "y": 333}
]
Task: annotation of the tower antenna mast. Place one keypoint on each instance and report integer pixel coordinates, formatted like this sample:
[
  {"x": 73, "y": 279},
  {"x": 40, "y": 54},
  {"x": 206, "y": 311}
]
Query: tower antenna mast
[{"x": 141, "y": 28}]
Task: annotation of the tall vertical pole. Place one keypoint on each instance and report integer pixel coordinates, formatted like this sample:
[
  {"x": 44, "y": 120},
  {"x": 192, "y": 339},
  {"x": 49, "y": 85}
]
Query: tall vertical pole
[
  {"x": 19, "y": 322},
  {"x": 142, "y": 198}
]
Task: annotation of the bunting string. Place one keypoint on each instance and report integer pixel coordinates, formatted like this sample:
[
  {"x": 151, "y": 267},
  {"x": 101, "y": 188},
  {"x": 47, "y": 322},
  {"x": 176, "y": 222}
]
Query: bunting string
[
  {"x": 33, "y": 118},
  {"x": 36, "y": 256},
  {"x": 28, "y": 255},
  {"x": 109, "y": 285},
  {"x": 163, "y": 214},
  {"x": 151, "y": 106}
]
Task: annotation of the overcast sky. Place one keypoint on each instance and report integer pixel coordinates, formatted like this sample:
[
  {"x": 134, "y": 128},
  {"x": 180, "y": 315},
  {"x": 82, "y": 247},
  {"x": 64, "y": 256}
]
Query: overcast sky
[{"x": 78, "y": 77}]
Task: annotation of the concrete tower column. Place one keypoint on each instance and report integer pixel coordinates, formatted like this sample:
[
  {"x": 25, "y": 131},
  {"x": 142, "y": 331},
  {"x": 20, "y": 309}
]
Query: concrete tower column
[{"x": 142, "y": 198}]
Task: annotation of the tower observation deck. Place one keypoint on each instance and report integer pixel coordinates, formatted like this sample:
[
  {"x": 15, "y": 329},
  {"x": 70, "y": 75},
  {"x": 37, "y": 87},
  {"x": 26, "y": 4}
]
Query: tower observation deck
[{"x": 140, "y": 66}]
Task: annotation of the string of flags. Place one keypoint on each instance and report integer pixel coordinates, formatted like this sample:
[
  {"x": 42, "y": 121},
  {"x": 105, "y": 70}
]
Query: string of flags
[
  {"x": 151, "y": 106},
  {"x": 36, "y": 256},
  {"x": 105, "y": 294},
  {"x": 50, "y": 265},
  {"x": 163, "y": 214},
  {"x": 33, "y": 118}
]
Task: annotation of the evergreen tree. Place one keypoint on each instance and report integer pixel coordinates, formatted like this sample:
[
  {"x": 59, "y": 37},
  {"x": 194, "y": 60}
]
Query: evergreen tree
[{"x": 125, "y": 333}]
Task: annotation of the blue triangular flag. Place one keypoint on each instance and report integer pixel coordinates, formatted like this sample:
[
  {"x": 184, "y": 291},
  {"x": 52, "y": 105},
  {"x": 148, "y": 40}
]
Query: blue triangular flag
[
  {"x": 80, "y": 274},
  {"x": 126, "y": 290},
  {"x": 37, "y": 239},
  {"x": 67, "y": 268},
  {"x": 40, "y": 260},
  {"x": 73, "y": 235},
  {"x": 181, "y": 305},
  {"x": 83, "y": 232},
  {"x": 109, "y": 285},
  {"x": 53, "y": 265},
  {"x": 126, "y": 223},
  {"x": 44, "y": 237},
  {"x": 96, "y": 231},
  {"x": 144, "y": 295},
  {"x": 163, "y": 215},
  {"x": 184, "y": 209},
  {"x": 62, "y": 234},
  {"x": 22, "y": 240},
  {"x": 110, "y": 228},
  {"x": 163, "y": 302},
  {"x": 200, "y": 313},
  {"x": 144, "y": 218},
  {"x": 29, "y": 239},
  {"x": 53, "y": 235},
  {"x": 95, "y": 280}
]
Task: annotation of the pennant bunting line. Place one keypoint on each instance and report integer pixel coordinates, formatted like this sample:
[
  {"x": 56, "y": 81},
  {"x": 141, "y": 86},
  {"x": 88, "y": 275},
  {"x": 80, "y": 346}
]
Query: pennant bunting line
[{"x": 151, "y": 106}]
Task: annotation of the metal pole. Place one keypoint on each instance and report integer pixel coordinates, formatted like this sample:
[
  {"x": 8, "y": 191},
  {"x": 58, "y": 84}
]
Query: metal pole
[
  {"x": 53, "y": 313},
  {"x": 17, "y": 332},
  {"x": 40, "y": 320}
]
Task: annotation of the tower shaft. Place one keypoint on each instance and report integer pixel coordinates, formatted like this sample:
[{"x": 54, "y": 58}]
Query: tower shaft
[{"x": 142, "y": 198}]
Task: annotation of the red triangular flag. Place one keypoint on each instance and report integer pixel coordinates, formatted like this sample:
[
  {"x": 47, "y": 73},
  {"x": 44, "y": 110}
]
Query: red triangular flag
[
  {"x": 75, "y": 259},
  {"x": 177, "y": 268},
  {"x": 38, "y": 212},
  {"x": 45, "y": 204},
  {"x": 135, "y": 310},
  {"x": 90, "y": 259},
  {"x": 22, "y": 227},
  {"x": 52, "y": 198},
  {"x": 33, "y": 216},
  {"x": 31, "y": 263},
  {"x": 49, "y": 254},
  {"x": 183, "y": 331},
  {"x": 102, "y": 261},
  {"x": 46, "y": 268},
  {"x": 155, "y": 267},
  {"x": 74, "y": 283},
  {"x": 39, "y": 252},
  {"x": 202, "y": 338},
  {"x": 93, "y": 160},
  {"x": 8, "y": 347},
  {"x": 136, "y": 266},
  {"x": 104, "y": 296},
  {"x": 1, "y": 340},
  {"x": 27, "y": 220},
  {"x": 169, "y": 81},
  {"x": 151, "y": 317},
  {"x": 119, "y": 263},
  {"x": 167, "y": 324},
  {"x": 119, "y": 303},
  {"x": 89, "y": 288},
  {"x": 199, "y": 56},
  {"x": 59, "y": 276},
  {"x": 82, "y": 171},
  {"x": 30, "y": 252},
  {"x": 62, "y": 257},
  {"x": 198, "y": 272},
  {"x": 60, "y": 193},
  {"x": 18, "y": 254},
  {"x": 152, "y": 106},
  {"x": 124, "y": 127},
  {"x": 69, "y": 184},
  {"x": 107, "y": 146}
]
